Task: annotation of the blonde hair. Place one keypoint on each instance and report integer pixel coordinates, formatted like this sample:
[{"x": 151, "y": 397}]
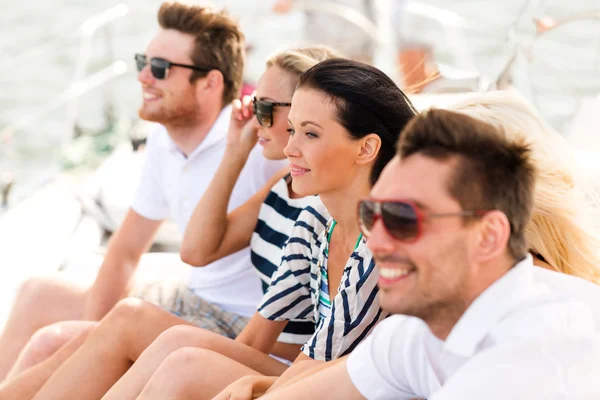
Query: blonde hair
[
  {"x": 298, "y": 60},
  {"x": 563, "y": 229}
]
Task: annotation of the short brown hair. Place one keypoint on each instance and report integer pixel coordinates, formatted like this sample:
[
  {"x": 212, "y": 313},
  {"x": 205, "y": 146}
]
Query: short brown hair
[
  {"x": 492, "y": 173},
  {"x": 219, "y": 42}
]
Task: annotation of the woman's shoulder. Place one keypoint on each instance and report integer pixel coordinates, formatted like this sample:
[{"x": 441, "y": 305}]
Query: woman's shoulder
[
  {"x": 310, "y": 225},
  {"x": 313, "y": 215}
]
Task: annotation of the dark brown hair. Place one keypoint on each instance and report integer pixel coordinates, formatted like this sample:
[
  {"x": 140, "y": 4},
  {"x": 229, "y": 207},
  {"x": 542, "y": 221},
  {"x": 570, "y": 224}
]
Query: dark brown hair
[
  {"x": 492, "y": 173},
  {"x": 366, "y": 101},
  {"x": 219, "y": 42}
]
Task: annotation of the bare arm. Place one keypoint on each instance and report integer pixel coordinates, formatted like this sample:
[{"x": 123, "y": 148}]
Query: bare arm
[
  {"x": 331, "y": 379},
  {"x": 253, "y": 386},
  {"x": 261, "y": 333},
  {"x": 302, "y": 366},
  {"x": 212, "y": 234},
  {"x": 132, "y": 239}
]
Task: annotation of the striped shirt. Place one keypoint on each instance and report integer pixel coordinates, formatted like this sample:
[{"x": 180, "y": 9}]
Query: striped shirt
[
  {"x": 276, "y": 219},
  {"x": 293, "y": 293}
]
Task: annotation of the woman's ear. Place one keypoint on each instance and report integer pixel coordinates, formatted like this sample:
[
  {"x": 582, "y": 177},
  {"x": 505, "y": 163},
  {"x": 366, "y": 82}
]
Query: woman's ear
[{"x": 369, "y": 148}]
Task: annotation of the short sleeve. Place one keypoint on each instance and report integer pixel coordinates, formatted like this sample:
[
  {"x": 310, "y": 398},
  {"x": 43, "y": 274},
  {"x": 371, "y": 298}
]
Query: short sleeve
[
  {"x": 288, "y": 296},
  {"x": 149, "y": 200},
  {"x": 378, "y": 366}
]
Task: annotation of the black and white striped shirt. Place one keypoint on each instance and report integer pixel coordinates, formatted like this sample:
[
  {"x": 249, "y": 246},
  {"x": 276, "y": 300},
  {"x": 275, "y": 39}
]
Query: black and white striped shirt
[
  {"x": 293, "y": 291},
  {"x": 276, "y": 220}
]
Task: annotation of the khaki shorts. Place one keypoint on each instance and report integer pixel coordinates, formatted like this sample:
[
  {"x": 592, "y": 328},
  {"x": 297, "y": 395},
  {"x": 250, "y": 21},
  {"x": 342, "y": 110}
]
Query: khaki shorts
[{"x": 180, "y": 300}]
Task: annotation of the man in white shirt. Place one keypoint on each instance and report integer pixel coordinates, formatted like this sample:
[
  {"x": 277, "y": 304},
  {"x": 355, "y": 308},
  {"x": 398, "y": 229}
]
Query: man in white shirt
[
  {"x": 191, "y": 71},
  {"x": 539, "y": 374},
  {"x": 446, "y": 225}
]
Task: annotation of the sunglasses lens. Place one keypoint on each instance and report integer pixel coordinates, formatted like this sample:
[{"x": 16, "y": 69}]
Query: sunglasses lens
[
  {"x": 140, "y": 62},
  {"x": 264, "y": 113},
  {"x": 366, "y": 216},
  {"x": 400, "y": 219},
  {"x": 159, "y": 68}
]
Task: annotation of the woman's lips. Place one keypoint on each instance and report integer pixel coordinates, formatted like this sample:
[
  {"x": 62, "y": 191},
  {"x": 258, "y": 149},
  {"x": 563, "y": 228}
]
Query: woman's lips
[
  {"x": 296, "y": 170},
  {"x": 262, "y": 141}
]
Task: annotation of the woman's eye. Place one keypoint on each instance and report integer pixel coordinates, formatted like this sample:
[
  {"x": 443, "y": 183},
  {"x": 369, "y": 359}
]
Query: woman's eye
[
  {"x": 290, "y": 131},
  {"x": 312, "y": 135}
]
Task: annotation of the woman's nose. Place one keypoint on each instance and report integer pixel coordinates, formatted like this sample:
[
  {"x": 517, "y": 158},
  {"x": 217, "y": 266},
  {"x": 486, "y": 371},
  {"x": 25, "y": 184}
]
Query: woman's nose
[{"x": 291, "y": 149}]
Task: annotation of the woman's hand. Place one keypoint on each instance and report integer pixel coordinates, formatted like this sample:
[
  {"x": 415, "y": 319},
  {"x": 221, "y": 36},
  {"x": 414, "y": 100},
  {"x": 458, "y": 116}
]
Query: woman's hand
[
  {"x": 243, "y": 126},
  {"x": 247, "y": 388}
]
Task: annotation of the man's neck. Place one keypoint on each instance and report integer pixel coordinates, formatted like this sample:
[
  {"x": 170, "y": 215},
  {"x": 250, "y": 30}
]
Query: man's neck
[
  {"x": 188, "y": 136},
  {"x": 445, "y": 318}
]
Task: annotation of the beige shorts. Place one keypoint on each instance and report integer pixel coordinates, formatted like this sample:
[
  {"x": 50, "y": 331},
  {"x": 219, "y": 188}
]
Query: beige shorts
[{"x": 180, "y": 300}]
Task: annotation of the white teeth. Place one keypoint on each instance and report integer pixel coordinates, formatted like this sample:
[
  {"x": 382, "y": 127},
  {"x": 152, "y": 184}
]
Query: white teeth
[
  {"x": 149, "y": 96},
  {"x": 393, "y": 273}
]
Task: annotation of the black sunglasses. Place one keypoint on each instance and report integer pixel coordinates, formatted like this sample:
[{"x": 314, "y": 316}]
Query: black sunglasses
[
  {"x": 264, "y": 111},
  {"x": 160, "y": 67},
  {"x": 403, "y": 220}
]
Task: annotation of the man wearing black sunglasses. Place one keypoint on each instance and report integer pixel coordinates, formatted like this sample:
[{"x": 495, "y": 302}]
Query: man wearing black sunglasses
[
  {"x": 189, "y": 74},
  {"x": 446, "y": 223}
]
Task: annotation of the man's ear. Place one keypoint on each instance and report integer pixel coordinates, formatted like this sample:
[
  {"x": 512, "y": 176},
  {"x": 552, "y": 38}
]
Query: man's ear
[
  {"x": 369, "y": 148},
  {"x": 214, "y": 80},
  {"x": 492, "y": 236}
]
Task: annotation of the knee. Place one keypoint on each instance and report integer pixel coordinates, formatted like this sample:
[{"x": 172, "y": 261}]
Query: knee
[
  {"x": 179, "y": 336},
  {"x": 177, "y": 375},
  {"x": 122, "y": 323},
  {"x": 186, "y": 359},
  {"x": 129, "y": 311},
  {"x": 33, "y": 291},
  {"x": 47, "y": 340}
]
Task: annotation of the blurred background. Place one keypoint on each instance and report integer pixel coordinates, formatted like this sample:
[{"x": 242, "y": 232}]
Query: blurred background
[
  {"x": 66, "y": 66},
  {"x": 69, "y": 94}
]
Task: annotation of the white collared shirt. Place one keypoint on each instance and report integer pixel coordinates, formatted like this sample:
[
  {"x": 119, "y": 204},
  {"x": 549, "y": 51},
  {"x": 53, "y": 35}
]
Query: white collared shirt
[
  {"x": 402, "y": 359},
  {"x": 549, "y": 368},
  {"x": 172, "y": 184}
]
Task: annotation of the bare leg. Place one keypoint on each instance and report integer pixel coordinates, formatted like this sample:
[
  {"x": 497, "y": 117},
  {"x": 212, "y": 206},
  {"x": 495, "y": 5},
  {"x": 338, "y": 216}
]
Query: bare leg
[
  {"x": 46, "y": 341},
  {"x": 109, "y": 351},
  {"x": 40, "y": 302},
  {"x": 26, "y": 385},
  {"x": 182, "y": 375},
  {"x": 132, "y": 383}
]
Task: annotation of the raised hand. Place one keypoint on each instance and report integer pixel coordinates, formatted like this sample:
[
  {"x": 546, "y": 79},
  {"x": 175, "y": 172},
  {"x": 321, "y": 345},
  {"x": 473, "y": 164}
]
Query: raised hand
[{"x": 243, "y": 126}]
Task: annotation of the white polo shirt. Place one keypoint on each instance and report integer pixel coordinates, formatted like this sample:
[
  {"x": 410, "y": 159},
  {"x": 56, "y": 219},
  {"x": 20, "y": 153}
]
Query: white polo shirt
[
  {"x": 549, "y": 368},
  {"x": 402, "y": 359},
  {"x": 170, "y": 187}
]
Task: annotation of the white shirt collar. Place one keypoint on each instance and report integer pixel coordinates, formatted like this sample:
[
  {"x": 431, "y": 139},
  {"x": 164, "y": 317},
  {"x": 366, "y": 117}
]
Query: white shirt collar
[
  {"x": 217, "y": 132},
  {"x": 489, "y": 307}
]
